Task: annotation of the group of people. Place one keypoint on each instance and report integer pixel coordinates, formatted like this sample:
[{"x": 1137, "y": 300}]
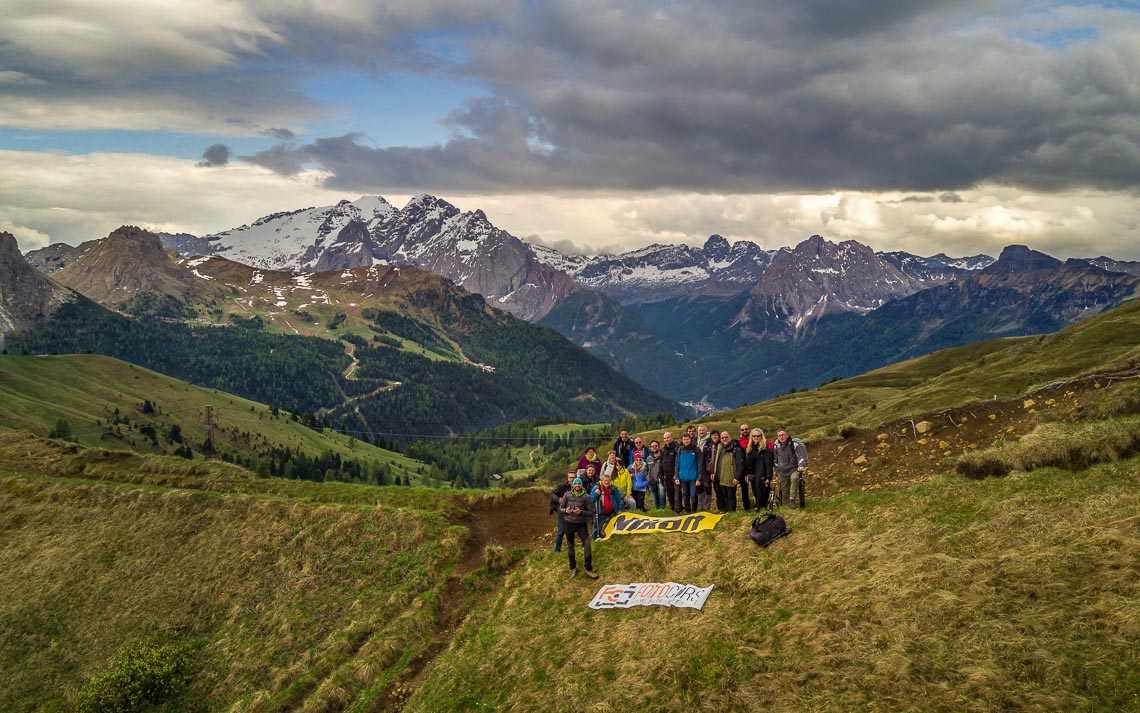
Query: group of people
[{"x": 684, "y": 477}]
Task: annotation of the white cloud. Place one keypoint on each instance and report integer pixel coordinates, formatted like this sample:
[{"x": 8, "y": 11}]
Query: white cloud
[
  {"x": 77, "y": 198},
  {"x": 1071, "y": 224}
]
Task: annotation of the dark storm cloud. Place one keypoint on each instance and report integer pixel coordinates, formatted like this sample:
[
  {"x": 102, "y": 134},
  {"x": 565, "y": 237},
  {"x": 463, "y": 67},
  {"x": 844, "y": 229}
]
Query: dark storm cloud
[
  {"x": 215, "y": 155},
  {"x": 780, "y": 96}
]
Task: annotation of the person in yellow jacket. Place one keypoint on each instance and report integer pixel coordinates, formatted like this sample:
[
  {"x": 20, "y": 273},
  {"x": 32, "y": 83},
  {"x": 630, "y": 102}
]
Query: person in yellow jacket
[{"x": 623, "y": 481}]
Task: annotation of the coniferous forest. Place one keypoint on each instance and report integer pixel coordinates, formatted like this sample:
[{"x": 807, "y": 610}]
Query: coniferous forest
[{"x": 395, "y": 394}]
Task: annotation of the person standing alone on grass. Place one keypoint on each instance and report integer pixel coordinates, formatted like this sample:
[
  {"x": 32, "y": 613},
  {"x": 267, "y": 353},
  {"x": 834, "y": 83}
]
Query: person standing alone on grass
[
  {"x": 578, "y": 510},
  {"x": 790, "y": 459}
]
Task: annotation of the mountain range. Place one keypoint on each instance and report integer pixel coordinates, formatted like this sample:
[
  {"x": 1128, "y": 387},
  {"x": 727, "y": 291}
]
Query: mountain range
[
  {"x": 377, "y": 351},
  {"x": 717, "y": 324}
]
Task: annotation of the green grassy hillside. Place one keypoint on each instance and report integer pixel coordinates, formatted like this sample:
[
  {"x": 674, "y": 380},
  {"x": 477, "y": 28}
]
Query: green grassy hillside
[
  {"x": 1004, "y": 368},
  {"x": 899, "y": 589},
  {"x": 235, "y": 591},
  {"x": 956, "y": 595},
  {"x": 103, "y": 400}
]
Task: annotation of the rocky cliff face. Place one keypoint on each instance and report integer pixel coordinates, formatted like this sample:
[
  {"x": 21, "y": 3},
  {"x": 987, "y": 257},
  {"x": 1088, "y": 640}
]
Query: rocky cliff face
[
  {"x": 131, "y": 271},
  {"x": 57, "y": 256},
  {"x": 818, "y": 278},
  {"x": 1131, "y": 267},
  {"x": 27, "y": 297},
  {"x": 127, "y": 262},
  {"x": 468, "y": 249}
]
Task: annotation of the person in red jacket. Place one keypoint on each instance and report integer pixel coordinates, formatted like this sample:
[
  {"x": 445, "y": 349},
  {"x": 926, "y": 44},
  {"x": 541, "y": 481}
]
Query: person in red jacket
[{"x": 745, "y": 436}]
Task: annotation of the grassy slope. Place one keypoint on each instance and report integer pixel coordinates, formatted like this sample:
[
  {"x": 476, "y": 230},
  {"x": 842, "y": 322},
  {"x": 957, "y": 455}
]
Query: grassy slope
[
  {"x": 1001, "y": 367},
  {"x": 1016, "y": 593},
  {"x": 292, "y": 594},
  {"x": 86, "y": 389},
  {"x": 956, "y": 595}
]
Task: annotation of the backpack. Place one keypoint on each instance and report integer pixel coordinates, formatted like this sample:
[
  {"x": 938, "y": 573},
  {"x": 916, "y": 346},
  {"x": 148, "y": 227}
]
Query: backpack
[{"x": 768, "y": 528}]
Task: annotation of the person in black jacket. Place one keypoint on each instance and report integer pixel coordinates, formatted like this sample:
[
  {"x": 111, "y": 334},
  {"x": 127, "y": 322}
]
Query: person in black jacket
[
  {"x": 622, "y": 446},
  {"x": 707, "y": 489},
  {"x": 668, "y": 467},
  {"x": 577, "y": 507},
  {"x": 758, "y": 468},
  {"x": 556, "y": 498}
]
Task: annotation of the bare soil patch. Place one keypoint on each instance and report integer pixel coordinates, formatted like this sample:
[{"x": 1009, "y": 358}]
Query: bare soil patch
[{"x": 911, "y": 450}]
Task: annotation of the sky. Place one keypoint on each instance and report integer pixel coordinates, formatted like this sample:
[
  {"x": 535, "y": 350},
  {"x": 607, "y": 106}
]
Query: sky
[{"x": 590, "y": 126}]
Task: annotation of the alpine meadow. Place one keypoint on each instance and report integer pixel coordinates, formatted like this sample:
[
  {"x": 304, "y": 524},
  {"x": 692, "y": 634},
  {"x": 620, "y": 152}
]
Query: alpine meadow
[{"x": 569, "y": 356}]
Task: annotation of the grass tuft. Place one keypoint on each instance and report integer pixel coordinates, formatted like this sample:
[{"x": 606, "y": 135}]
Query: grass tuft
[{"x": 1062, "y": 445}]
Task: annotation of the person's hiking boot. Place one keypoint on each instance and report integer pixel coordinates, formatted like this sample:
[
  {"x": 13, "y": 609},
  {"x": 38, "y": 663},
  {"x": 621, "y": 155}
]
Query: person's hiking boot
[
  {"x": 573, "y": 573},
  {"x": 591, "y": 574}
]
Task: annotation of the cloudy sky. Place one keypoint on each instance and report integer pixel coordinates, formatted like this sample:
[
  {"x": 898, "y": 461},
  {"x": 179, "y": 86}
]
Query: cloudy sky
[{"x": 906, "y": 124}]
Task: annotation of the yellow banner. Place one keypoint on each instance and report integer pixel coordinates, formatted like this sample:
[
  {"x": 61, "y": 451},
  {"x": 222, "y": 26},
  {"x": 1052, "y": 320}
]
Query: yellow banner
[{"x": 627, "y": 524}]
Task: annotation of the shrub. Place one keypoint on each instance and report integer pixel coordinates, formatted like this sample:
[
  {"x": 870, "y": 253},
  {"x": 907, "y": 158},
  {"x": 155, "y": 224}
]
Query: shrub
[
  {"x": 61, "y": 429},
  {"x": 848, "y": 429},
  {"x": 497, "y": 558},
  {"x": 145, "y": 674}
]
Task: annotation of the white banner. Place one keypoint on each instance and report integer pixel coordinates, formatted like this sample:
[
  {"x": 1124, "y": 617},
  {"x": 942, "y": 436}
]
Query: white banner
[{"x": 647, "y": 594}]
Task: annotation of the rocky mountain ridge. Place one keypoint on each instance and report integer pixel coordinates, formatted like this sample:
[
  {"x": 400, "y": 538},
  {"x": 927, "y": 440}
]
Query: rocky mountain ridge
[
  {"x": 666, "y": 314},
  {"x": 526, "y": 279},
  {"x": 27, "y": 297},
  {"x": 427, "y": 232},
  {"x": 130, "y": 270}
]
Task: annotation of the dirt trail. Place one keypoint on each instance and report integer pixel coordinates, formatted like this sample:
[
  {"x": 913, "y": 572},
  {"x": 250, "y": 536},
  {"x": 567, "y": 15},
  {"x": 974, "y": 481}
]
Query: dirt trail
[{"x": 518, "y": 519}]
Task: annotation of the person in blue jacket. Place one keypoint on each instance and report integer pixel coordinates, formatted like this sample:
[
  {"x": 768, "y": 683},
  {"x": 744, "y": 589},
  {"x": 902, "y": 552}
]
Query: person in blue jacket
[
  {"x": 639, "y": 479},
  {"x": 689, "y": 473}
]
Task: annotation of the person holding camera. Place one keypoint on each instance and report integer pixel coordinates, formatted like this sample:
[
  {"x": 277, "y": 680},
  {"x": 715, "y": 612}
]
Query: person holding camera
[{"x": 577, "y": 510}]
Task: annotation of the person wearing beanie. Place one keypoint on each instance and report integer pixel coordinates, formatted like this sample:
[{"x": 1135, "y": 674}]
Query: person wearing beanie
[{"x": 577, "y": 510}]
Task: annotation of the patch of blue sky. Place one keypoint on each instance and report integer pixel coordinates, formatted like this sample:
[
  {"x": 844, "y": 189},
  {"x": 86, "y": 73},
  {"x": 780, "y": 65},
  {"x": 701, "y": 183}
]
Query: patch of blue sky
[
  {"x": 399, "y": 109},
  {"x": 161, "y": 143},
  {"x": 1058, "y": 39}
]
